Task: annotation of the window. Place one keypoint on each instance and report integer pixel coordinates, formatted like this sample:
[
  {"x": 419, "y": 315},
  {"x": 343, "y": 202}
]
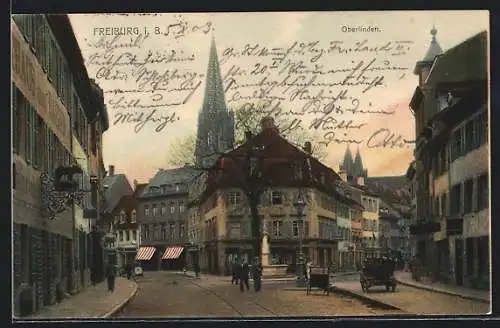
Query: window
[
  {"x": 456, "y": 150},
  {"x": 172, "y": 208},
  {"x": 295, "y": 228},
  {"x": 181, "y": 231},
  {"x": 146, "y": 210},
  {"x": 181, "y": 207},
  {"x": 164, "y": 231},
  {"x": 178, "y": 187},
  {"x": 277, "y": 225},
  {"x": 468, "y": 196},
  {"x": 482, "y": 192},
  {"x": 455, "y": 199},
  {"x": 134, "y": 235},
  {"x": 122, "y": 217},
  {"x": 172, "y": 230},
  {"x": 235, "y": 230},
  {"x": 276, "y": 198},
  {"x": 125, "y": 235},
  {"x": 234, "y": 198},
  {"x": 444, "y": 200},
  {"x": 155, "y": 210},
  {"x": 163, "y": 208},
  {"x": 470, "y": 135},
  {"x": 133, "y": 216}
]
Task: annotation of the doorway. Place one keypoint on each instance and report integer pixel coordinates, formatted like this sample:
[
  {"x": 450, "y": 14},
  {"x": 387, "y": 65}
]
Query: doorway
[{"x": 459, "y": 262}]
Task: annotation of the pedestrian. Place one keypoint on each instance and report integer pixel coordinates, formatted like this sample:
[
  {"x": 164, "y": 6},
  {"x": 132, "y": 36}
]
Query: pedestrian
[
  {"x": 257, "y": 275},
  {"x": 110, "y": 276},
  {"x": 197, "y": 270},
  {"x": 244, "y": 271},
  {"x": 129, "y": 270},
  {"x": 236, "y": 268}
]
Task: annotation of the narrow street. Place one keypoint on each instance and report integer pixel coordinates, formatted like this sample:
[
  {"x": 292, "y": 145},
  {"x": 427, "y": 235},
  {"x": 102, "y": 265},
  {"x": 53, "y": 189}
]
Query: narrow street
[{"x": 163, "y": 294}]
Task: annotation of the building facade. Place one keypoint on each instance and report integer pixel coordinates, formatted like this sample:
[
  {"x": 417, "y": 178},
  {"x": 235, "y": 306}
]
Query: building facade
[
  {"x": 224, "y": 215},
  {"x": 125, "y": 228},
  {"x": 452, "y": 173},
  {"x": 50, "y": 89},
  {"x": 163, "y": 219},
  {"x": 116, "y": 186}
]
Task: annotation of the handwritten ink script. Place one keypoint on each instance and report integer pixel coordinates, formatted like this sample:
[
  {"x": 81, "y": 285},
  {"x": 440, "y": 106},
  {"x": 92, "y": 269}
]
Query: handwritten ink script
[
  {"x": 145, "y": 71},
  {"x": 324, "y": 86},
  {"x": 337, "y": 88}
]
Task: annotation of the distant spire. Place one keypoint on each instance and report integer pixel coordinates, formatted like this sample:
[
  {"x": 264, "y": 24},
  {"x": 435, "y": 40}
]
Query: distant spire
[
  {"x": 358, "y": 169},
  {"x": 214, "y": 99},
  {"x": 434, "y": 48},
  {"x": 348, "y": 162}
]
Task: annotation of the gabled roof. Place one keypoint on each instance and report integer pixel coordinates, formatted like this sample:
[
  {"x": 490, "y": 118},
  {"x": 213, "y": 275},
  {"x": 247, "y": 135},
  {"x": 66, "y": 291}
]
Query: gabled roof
[
  {"x": 277, "y": 157},
  {"x": 117, "y": 185},
  {"x": 466, "y": 61}
]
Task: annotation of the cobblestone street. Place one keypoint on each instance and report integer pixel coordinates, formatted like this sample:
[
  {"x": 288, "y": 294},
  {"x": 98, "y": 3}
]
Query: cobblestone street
[{"x": 168, "y": 295}]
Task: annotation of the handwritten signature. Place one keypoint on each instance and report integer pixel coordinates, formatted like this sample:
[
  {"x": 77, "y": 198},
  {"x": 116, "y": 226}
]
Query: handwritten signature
[{"x": 141, "y": 119}]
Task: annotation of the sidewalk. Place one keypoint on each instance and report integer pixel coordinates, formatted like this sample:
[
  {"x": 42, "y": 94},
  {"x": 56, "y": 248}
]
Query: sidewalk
[
  {"x": 93, "y": 302},
  {"x": 404, "y": 278}
]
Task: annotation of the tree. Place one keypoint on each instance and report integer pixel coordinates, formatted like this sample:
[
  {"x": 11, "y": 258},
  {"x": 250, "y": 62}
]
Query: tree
[{"x": 247, "y": 118}]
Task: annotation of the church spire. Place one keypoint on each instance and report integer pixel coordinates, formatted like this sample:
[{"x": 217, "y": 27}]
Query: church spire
[
  {"x": 348, "y": 162},
  {"x": 215, "y": 133},
  {"x": 214, "y": 99},
  {"x": 358, "y": 169}
]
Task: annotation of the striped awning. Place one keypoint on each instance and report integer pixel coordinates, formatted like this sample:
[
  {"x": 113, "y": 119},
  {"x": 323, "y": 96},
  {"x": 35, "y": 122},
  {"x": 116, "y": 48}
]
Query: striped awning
[
  {"x": 172, "y": 253},
  {"x": 145, "y": 253}
]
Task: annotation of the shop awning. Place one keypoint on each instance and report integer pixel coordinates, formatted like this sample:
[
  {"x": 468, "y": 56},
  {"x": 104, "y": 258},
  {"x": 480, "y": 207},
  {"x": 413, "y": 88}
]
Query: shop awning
[
  {"x": 172, "y": 253},
  {"x": 145, "y": 253}
]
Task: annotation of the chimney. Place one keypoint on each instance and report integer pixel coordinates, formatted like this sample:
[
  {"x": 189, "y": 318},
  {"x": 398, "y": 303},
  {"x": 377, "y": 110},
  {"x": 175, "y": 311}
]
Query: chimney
[
  {"x": 360, "y": 181},
  {"x": 267, "y": 123},
  {"x": 308, "y": 147},
  {"x": 248, "y": 135},
  {"x": 111, "y": 170}
]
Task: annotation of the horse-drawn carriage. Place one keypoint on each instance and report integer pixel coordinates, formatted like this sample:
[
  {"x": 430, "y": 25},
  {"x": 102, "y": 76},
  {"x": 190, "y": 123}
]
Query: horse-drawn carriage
[{"x": 378, "y": 272}]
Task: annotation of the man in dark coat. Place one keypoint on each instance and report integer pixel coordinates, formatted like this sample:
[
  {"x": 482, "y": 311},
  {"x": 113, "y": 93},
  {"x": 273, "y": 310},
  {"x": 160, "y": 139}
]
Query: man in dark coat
[
  {"x": 236, "y": 268},
  {"x": 110, "y": 277},
  {"x": 257, "y": 275},
  {"x": 244, "y": 271}
]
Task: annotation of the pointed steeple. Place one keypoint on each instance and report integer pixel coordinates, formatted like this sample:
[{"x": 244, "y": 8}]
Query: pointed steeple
[
  {"x": 422, "y": 68},
  {"x": 434, "y": 48},
  {"x": 214, "y": 99},
  {"x": 358, "y": 169},
  {"x": 215, "y": 123},
  {"x": 348, "y": 162}
]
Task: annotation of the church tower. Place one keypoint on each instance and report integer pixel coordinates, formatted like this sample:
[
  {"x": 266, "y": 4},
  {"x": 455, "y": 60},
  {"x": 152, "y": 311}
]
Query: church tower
[
  {"x": 423, "y": 67},
  {"x": 348, "y": 163},
  {"x": 215, "y": 133},
  {"x": 353, "y": 168}
]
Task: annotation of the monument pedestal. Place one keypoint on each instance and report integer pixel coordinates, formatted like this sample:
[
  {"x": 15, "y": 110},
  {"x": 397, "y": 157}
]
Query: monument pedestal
[{"x": 270, "y": 270}]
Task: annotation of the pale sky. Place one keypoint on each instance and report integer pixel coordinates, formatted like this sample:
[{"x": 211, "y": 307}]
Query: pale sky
[{"x": 139, "y": 155}]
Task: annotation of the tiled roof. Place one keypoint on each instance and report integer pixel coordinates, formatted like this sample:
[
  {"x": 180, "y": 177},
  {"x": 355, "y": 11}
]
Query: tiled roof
[
  {"x": 117, "y": 186},
  {"x": 466, "y": 61},
  {"x": 172, "y": 176}
]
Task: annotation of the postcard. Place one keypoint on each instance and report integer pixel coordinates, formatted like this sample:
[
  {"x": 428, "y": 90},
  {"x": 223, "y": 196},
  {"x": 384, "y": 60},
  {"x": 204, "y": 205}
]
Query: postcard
[{"x": 250, "y": 164}]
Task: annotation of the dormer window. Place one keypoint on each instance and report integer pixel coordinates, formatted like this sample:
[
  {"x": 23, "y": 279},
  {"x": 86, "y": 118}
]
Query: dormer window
[
  {"x": 178, "y": 187},
  {"x": 122, "y": 217},
  {"x": 276, "y": 198},
  {"x": 133, "y": 216},
  {"x": 155, "y": 190}
]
